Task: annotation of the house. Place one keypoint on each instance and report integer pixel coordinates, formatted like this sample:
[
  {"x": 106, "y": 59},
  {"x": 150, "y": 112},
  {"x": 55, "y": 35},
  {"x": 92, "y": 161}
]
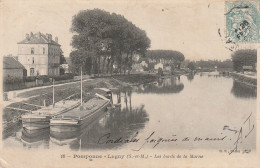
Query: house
[
  {"x": 39, "y": 54},
  {"x": 136, "y": 57},
  {"x": 167, "y": 68},
  {"x": 248, "y": 68},
  {"x": 67, "y": 65},
  {"x": 157, "y": 66},
  {"x": 137, "y": 68},
  {"x": 144, "y": 64},
  {"x": 13, "y": 68}
]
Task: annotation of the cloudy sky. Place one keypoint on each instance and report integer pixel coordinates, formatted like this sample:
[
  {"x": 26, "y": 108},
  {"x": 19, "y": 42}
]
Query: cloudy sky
[{"x": 188, "y": 26}]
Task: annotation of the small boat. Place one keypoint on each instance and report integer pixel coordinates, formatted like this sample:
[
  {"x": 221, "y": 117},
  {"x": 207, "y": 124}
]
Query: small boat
[
  {"x": 40, "y": 119},
  {"x": 74, "y": 120},
  {"x": 104, "y": 92}
]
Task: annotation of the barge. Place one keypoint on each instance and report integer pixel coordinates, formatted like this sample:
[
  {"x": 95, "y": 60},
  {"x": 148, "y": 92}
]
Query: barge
[
  {"x": 40, "y": 119},
  {"x": 74, "y": 120}
]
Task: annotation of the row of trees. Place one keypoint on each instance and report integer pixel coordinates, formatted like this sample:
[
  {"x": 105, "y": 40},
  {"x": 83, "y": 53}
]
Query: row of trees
[
  {"x": 165, "y": 54},
  {"x": 171, "y": 58},
  {"x": 240, "y": 58},
  {"x": 103, "y": 41},
  {"x": 209, "y": 64},
  {"x": 212, "y": 63}
]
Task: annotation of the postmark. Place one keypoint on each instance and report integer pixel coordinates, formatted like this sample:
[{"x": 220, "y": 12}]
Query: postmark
[{"x": 242, "y": 21}]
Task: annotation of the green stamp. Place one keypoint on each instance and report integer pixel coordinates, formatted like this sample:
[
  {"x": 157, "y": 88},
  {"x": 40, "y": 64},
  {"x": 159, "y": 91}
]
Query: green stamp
[{"x": 242, "y": 21}]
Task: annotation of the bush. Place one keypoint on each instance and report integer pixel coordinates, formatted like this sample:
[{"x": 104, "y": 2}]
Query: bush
[
  {"x": 11, "y": 80},
  {"x": 62, "y": 71},
  {"x": 11, "y": 83},
  {"x": 64, "y": 77},
  {"x": 29, "y": 79},
  {"x": 44, "y": 78},
  {"x": 160, "y": 72}
]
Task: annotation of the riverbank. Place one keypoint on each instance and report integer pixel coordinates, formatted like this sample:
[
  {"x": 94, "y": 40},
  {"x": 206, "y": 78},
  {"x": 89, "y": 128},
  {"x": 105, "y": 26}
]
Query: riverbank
[
  {"x": 11, "y": 118},
  {"x": 245, "y": 79},
  {"x": 136, "y": 79}
]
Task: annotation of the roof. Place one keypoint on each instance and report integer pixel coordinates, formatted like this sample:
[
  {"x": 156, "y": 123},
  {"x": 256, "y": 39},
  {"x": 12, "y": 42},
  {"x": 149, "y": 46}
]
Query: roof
[
  {"x": 12, "y": 63},
  {"x": 38, "y": 38}
]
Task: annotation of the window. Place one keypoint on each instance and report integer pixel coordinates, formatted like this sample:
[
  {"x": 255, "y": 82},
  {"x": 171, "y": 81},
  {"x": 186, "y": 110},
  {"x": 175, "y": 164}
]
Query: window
[
  {"x": 32, "y": 50},
  {"x": 33, "y": 60},
  {"x": 31, "y": 71},
  {"x": 43, "y": 50}
]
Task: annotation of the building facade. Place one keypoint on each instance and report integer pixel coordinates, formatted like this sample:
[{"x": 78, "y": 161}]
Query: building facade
[{"x": 40, "y": 55}]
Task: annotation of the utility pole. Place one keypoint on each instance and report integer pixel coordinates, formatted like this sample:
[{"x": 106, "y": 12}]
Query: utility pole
[
  {"x": 53, "y": 94},
  {"x": 81, "y": 87}
]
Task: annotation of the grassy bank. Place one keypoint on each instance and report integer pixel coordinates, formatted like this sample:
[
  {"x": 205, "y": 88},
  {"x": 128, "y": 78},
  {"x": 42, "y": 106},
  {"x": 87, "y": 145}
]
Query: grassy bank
[{"x": 11, "y": 118}]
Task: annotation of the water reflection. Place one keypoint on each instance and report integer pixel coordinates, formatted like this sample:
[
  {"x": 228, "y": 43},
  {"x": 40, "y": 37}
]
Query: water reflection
[
  {"x": 188, "y": 113},
  {"x": 241, "y": 90},
  {"x": 119, "y": 123},
  {"x": 33, "y": 139},
  {"x": 123, "y": 121},
  {"x": 163, "y": 86},
  {"x": 190, "y": 76}
]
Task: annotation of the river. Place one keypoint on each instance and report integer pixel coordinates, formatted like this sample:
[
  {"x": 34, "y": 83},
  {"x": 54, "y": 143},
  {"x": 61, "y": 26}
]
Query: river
[{"x": 185, "y": 112}]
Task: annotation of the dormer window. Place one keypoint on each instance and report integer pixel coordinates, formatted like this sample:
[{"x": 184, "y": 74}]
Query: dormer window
[{"x": 32, "y": 50}]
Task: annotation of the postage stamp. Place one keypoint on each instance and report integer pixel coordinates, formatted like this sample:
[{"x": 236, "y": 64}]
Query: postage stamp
[{"x": 242, "y": 21}]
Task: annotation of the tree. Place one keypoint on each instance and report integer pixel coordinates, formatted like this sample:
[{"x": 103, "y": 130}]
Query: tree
[
  {"x": 160, "y": 72},
  {"x": 80, "y": 58},
  {"x": 62, "y": 58},
  {"x": 107, "y": 40},
  {"x": 191, "y": 66},
  {"x": 62, "y": 71},
  {"x": 242, "y": 58},
  {"x": 166, "y": 54}
]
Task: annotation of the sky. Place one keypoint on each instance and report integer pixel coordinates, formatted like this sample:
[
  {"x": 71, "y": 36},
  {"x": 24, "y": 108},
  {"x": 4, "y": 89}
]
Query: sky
[{"x": 188, "y": 26}]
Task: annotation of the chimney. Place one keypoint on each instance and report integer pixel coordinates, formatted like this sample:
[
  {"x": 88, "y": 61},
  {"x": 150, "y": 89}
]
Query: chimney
[
  {"x": 27, "y": 36},
  {"x": 56, "y": 39},
  {"x": 38, "y": 35},
  {"x": 49, "y": 37}
]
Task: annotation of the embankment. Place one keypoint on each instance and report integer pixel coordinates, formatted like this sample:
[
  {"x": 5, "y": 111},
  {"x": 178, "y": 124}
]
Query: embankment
[{"x": 246, "y": 79}]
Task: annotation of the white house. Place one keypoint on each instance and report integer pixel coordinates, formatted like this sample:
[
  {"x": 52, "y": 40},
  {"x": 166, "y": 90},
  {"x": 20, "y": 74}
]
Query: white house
[
  {"x": 144, "y": 64},
  {"x": 157, "y": 66},
  {"x": 39, "y": 54}
]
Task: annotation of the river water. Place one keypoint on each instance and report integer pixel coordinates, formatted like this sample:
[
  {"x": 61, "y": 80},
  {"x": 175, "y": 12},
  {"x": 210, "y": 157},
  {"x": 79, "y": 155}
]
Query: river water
[{"x": 186, "y": 112}]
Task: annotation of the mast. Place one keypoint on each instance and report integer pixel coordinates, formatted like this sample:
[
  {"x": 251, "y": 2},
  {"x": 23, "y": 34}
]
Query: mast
[{"x": 53, "y": 98}]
